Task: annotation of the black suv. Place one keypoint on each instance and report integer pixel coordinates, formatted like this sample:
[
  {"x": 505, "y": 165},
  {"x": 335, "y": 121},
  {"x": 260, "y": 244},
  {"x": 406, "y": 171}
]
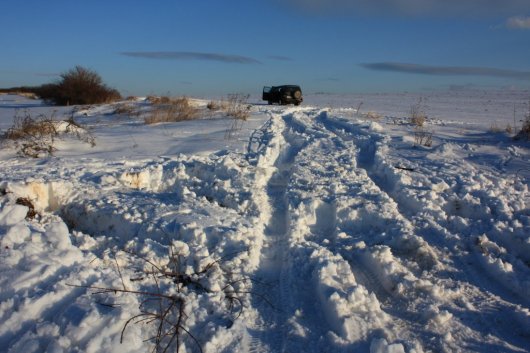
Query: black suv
[{"x": 285, "y": 94}]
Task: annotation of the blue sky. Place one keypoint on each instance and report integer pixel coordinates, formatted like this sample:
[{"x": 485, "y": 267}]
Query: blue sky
[{"x": 211, "y": 47}]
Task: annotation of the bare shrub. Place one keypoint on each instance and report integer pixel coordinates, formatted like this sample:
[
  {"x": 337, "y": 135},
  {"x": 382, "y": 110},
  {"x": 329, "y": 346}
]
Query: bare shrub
[
  {"x": 422, "y": 137},
  {"x": 35, "y": 137},
  {"x": 417, "y": 114},
  {"x": 78, "y": 86},
  {"x": 524, "y": 133},
  {"x": 237, "y": 106},
  {"x": 178, "y": 109},
  {"x": 82, "y": 133},
  {"x": 165, "y": 291}
]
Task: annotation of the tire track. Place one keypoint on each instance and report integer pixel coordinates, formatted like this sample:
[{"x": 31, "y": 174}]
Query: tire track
[
  {"x": 504, "y": 328},
  {"x": 267, "y": 333}
]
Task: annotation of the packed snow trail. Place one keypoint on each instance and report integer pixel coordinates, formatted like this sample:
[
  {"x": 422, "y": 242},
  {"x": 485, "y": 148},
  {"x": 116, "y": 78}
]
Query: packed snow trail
[
  {"x": 354, "y": 268},
  {"x": 304, "y": 313}
]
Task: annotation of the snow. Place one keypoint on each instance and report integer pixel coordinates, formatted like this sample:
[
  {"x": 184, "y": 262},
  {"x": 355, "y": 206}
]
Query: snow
[{"x": 309, "y": 229}]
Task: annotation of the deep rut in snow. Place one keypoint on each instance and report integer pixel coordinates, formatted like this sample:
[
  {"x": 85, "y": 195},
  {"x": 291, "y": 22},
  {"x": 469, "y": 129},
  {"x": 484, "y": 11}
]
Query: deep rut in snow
[
  {"x": 268, "y": 332},
  {"x": 476, "y": 284}
]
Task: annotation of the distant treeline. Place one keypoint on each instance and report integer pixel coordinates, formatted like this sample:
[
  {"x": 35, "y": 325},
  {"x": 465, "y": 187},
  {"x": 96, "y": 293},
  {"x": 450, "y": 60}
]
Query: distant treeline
[
  {"x": 76, "y": 86},
  {"x": 22, "y": 89}
]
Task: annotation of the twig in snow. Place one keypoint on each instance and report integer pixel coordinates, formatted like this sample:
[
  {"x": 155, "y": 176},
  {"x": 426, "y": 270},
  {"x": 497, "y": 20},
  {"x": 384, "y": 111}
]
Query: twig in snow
[{"x": 404, "y": 168}]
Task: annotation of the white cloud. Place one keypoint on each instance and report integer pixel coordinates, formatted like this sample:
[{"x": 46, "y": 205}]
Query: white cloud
[{"x": 518, "y": 22}]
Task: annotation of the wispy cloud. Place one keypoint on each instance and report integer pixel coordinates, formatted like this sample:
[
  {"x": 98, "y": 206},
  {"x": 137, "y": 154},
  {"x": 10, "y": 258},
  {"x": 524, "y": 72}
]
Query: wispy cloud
[
  {"x": 448, "y": 70},
  {"x": 518, "y": 22},
  {"x": 412, "y": 7},
  {"x": 280, "y": 58},
  {"x": 186, "y": 55}
]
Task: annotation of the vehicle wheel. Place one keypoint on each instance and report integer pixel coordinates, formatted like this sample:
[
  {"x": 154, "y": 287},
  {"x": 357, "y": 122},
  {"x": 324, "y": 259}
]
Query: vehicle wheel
[
  {"x": 270, "y": 102},
  {"x": 297, "y": 94}
]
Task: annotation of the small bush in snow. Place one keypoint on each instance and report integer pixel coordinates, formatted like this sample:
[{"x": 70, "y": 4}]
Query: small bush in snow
[
  {"x": 35, "y": 137},
  {"x": 422, "y": 137},
  {"x": 78, "y": 86},
  {"x": 237, "y": 107},
  {"x": 417, "y": 114},
  {"x": 524, "y": 133},
  {"x": 178, "y": 109}
]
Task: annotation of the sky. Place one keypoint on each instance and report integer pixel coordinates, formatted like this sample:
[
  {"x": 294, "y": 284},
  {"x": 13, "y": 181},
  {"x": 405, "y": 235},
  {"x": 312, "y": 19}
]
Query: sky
[{"x": 214, "y": 47}]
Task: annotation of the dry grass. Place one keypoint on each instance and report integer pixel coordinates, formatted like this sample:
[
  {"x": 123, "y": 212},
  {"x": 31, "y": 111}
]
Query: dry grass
[
  {"x": 372, "y": 116},
  {"x": 24, "y": 126},
  {"x": 176, "y": 109},
  {"x": 422, "y": 137},
  {"x": 35, "y": 137},
  {"x": 524, "y": 133},
  {"x": 237, "y": 107},
  {"x": 417, "y": 114}
]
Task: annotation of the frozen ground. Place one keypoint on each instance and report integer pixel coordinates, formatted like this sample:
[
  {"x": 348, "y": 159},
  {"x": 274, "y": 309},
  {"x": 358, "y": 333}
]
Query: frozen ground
[{"x": 310, "y": 229}]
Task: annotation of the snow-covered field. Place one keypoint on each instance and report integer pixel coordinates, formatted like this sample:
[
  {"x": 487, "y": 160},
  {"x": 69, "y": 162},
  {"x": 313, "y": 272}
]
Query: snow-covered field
[{"x": 308, "y": 229}]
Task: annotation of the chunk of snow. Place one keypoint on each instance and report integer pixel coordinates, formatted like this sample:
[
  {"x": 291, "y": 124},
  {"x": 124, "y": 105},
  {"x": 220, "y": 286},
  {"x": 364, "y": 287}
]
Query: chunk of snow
[
  {"x": 380, "y": 345},
  {"x": 13, "y": 214}
]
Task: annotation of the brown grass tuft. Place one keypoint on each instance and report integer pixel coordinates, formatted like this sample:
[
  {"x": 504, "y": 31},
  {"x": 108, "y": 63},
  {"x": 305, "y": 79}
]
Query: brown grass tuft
[
  {"x": 417, "y": 114},
  {"x": 35, "y": 137},
  {"x": 177, "y": 109}
]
